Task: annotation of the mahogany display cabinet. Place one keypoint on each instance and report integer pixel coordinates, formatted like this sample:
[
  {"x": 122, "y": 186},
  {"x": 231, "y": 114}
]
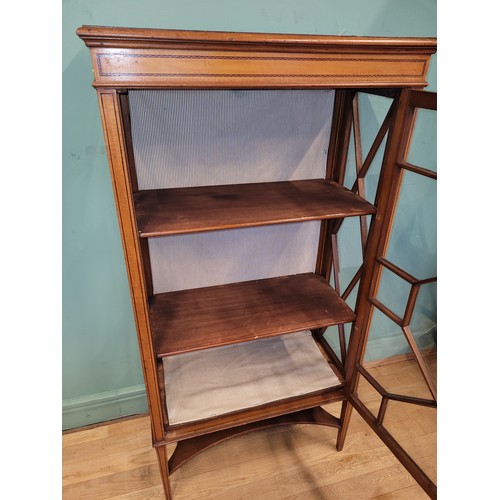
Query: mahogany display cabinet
[{"x": 236, "y": 162}]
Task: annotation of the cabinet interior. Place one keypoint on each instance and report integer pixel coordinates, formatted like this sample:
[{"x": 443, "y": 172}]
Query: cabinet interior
[{"x": 229, "y": 200}]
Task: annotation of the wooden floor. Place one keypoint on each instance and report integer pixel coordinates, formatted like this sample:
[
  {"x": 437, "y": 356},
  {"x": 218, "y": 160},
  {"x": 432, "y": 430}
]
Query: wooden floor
[{"x": 116, "y": 461}]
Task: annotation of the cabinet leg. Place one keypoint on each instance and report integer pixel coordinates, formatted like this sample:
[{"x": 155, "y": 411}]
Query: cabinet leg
[
  {"x": 161, "y": 453},
  {"x": 345, "y": 418}
]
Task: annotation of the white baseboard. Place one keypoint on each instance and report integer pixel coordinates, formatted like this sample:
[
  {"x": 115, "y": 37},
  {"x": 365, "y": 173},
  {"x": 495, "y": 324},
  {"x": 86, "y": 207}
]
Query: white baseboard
[{"x": 104, "y": 406}]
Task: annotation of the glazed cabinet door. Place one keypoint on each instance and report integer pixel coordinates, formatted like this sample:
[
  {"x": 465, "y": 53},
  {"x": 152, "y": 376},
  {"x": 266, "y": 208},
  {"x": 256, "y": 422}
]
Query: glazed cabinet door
[{"x": 391, "y": 358}]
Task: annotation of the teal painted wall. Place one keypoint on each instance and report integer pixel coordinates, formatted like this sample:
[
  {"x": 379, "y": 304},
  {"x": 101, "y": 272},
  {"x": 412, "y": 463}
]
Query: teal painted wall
[{"x": 102, "y": 376}]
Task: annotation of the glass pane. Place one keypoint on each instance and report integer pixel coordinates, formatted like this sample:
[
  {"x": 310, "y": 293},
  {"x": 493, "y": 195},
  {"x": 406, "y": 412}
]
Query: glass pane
[
  {"x": 401, "y": 376},
  {"x": 372, "y": 176},
  {"x": 384, "y": 339},
  {"x": 423, "y": 326},
  {"x": 350, "y": 255},
  {"x": 412, "y": 244},
  {"x": 333, "y": 338},
  {"x": 351, "y": 298},
  {"x": 350, "y": 168},
  {"x": 347, "y": 333},
  {"x": 393, "y": 292},
  {"x": 415, "y": 429},
  {"x": 372, "y": 112},
  {"x": 331, "y": 335},
  {"x": 391, "y": 361},
  {"x": 423, "y": 148}
]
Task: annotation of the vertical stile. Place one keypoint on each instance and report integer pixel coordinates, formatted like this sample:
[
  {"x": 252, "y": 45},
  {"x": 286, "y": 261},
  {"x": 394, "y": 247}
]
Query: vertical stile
[
  {"x": 161, "y": 384},
  {"x": 341, "y": 132},
  {"x": 336, "y": 279},
  {"x": 132, "y": 174},
  {"x": 146, "y": 266},
  {"x": 127, "y": 134},
  {"x": 343, "y": 122}
]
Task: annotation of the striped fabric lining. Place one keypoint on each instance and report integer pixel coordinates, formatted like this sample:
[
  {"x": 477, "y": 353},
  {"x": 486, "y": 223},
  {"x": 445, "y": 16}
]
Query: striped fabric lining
[{"x": 199, "y": 138}]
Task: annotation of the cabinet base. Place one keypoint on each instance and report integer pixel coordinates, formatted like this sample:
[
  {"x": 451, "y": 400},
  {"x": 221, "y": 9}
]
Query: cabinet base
[{"x": 189, "y": 448}]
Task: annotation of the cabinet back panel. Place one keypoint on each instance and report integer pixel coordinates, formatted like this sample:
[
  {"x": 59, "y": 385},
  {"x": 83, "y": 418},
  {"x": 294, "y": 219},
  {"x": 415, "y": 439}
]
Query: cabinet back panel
[
  {"x": 219, "y": 257},
  {"x": 210, "y": 137}
]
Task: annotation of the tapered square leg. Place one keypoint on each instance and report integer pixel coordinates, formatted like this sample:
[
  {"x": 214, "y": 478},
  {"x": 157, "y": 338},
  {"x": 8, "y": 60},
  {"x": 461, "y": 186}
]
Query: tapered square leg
[
  {"x": 161, "y": 452},
  {"x": 345, "y": 418}
]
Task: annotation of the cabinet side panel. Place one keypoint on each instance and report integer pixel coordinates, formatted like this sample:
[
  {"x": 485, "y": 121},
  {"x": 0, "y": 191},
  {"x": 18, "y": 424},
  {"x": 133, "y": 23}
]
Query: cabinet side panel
[{"x": 115, "y": 144}]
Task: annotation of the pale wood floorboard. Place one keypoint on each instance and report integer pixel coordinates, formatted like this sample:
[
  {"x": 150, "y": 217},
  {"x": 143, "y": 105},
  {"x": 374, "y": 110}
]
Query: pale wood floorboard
[{"x": 116, "y": 461}]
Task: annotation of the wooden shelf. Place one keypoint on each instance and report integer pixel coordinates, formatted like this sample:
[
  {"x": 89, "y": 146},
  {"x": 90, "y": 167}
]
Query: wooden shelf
[
  {"x": 163, "y": 212},
  {"x": 190, "y": 320}
]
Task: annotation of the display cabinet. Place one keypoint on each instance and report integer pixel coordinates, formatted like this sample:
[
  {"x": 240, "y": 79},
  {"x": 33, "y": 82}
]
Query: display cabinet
[{"x": 228, "y": 155}]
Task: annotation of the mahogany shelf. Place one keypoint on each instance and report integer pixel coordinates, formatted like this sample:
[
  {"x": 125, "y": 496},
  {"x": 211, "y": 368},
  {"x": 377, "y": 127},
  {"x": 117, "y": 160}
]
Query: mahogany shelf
[
  {"x": 202, "y": 318},
  {"x": 163, "y": 212}
]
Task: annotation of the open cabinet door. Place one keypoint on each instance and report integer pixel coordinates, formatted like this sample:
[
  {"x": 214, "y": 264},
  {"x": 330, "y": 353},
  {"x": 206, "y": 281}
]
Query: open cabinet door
[{"x": 391, "y": 356}]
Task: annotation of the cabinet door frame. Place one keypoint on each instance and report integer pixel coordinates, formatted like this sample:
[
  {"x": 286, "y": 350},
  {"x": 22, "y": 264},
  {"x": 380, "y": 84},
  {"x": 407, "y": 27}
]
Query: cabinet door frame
[{"x": 393, "y": 168}]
